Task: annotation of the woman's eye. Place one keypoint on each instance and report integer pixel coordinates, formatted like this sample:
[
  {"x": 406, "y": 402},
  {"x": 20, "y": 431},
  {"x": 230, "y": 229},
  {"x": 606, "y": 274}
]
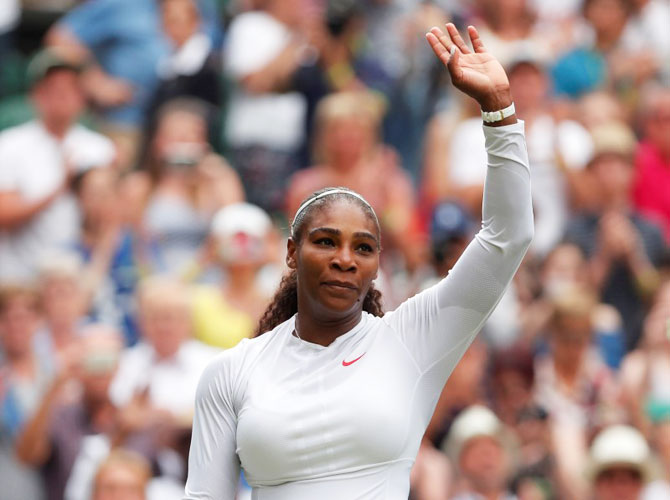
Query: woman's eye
[
  {"x": 325, "y": 242},
  {"x": 365, "y": 247}
]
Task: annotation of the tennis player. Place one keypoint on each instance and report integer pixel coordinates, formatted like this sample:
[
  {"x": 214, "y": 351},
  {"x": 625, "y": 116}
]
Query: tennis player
[{"x": 332, "y": 400}]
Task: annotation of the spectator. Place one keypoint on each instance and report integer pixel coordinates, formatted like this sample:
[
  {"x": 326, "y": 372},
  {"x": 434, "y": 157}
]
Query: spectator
[
  {"x": 350, "y": 154},
  {"x": 575, "y": 387},
  {"x": 64, "y": 302},
  {"x": 37, "y": 162},
  {"x": 622, "y": 247},
  {"x": 113, "y": 254},
  {"x": 557, "y": 149},
  {"x": 157, "y": 378},
  {"x": 191, "y": 70},
  {"x": 190, "y": 183},
  {"x": 610, "y": 53},
  {"x": 122, "y": 43},
  {"x": 123, "y": 475},
  {"x": 646, "y": 370},
  {"x": 565, "y": 268},
  {"x": 24, "y": 378},
  {"x": 509, "y": 28},
  {"x": 52, "y": 438},
  {"x": 652, "y": 160},
  {"x": 572, "y": 381},
  {"x": 264, "y": 126},
  {"x": 241, "y": 240},
  {"x": 480, "y": 449},
  {"x": 620, "y": 465}
]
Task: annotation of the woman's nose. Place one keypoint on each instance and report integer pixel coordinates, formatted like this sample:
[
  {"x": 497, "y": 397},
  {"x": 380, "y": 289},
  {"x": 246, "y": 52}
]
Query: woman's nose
[{"x": 344, "y": 260}]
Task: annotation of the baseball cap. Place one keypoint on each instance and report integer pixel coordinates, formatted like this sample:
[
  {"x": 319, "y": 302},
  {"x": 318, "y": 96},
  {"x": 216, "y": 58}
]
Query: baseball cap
[
  {"x": 616, "y": 446},
  {"x": 240, "y": 230},
  {"x": 449, "y": 220},
  {"x": 241, "y": 218},
  {"x": 45, "y": 61}
]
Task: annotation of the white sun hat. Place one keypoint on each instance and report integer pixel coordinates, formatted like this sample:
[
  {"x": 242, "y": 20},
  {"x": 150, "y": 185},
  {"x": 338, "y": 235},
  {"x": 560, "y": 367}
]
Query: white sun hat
[
  {"x": 474, "y": 421},
  {"x": 241, "y": 218},
  {"x": 619, "y": 446}
]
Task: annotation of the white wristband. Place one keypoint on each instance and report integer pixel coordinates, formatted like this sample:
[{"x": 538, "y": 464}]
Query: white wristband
[{"x": 496, "y": 116}]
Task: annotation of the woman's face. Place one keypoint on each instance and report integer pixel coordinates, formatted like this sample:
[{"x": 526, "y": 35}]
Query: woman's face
[
  {"x": 347, "y": 140},
  {"x": 17, "y": 325},
  {"x": 336, "y": 260}
]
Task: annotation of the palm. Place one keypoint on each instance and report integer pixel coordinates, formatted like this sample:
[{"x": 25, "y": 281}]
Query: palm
[{"x": 478, "y": 73}]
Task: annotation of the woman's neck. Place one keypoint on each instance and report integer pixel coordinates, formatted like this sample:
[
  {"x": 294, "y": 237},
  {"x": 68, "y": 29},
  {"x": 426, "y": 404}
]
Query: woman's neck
[{"x": 322, "y": 331}]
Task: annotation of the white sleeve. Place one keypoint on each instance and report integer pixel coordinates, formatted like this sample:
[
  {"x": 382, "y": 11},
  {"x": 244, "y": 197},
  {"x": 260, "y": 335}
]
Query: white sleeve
[
  {"x": 438, "y": 324},
  {"x": 213, "y": 464}
]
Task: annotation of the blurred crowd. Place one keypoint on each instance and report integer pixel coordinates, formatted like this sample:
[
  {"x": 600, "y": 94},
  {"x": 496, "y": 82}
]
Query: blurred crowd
[{"x": 152, "y": 153}]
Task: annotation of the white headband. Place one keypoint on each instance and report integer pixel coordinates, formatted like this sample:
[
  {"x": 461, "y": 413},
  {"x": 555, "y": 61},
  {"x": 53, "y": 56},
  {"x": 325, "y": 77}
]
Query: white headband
[{"x": 328, "y": 193}]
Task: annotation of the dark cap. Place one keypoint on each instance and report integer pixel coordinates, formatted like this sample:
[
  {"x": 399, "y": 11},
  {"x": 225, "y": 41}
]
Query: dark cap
[
  {"x": 449, "y": 220},
  {"x": 45, "y": 61}
]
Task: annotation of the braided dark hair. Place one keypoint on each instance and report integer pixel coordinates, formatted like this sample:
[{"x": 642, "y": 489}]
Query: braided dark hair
[{"x": 284, "y": 304}]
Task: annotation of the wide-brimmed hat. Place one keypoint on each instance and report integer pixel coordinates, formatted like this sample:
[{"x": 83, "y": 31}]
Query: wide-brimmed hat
[
  {"x": 473, "y": 422},
  {"x": 619, "y": 446}
]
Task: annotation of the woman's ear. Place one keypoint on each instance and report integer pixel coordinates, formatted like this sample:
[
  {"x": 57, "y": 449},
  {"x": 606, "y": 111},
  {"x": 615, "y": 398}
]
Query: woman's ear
[{"x": 291, "y": 251}]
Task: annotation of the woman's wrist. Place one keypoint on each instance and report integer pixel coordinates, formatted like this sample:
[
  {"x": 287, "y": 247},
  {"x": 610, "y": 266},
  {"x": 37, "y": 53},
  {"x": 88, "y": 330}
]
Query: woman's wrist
[{"x": 496, "y": 101}]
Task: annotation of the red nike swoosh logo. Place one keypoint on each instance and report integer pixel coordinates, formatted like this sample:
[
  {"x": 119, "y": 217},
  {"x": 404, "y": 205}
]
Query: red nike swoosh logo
[{"x": 347, "y": 363}]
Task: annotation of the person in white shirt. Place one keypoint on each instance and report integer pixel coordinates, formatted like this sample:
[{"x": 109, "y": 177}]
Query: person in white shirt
[
  {"x": 37, "y": 162},
  {"x": 333, "y": 400},
  {"x": 165, "y": 366}
]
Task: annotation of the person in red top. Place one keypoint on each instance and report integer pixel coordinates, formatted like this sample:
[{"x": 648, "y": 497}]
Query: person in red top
[{"x": 651, "y": 193}]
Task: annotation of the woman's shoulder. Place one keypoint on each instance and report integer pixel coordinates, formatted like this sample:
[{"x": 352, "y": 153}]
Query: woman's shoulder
[{"x": 239, "y": 360}]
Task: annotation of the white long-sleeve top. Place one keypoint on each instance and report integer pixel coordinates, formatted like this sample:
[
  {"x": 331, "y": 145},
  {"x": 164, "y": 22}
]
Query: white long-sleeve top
[{"x": 345, "y": 421}]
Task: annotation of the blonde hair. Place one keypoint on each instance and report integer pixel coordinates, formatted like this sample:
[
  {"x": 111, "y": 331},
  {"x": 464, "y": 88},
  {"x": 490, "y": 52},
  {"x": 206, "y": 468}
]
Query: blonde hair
[
  {"x": 363, "y": 105},
  {"x": 161, "y": 289},
  {"x": 574, "y": 301},
  {"x": 130, "y": 460}
]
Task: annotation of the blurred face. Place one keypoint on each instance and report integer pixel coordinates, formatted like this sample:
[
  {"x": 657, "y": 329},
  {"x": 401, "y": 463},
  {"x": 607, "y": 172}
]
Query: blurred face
[
  {"x": 180, "y": 20},
  {"x": 606, "y": 16},
  {"x": 512, "y": 392},
  {"x": 564, "y": 266},
  {"x": 483, "y": 462},
  {"x": 336, "y": 260},
  {"x": 177, "y": 131},
  {"x": 614, "y": 176},
  {"x": 618, "y": 483},
  {"x": 101, "y": 351},
  {"x": 570, "y": 338},
  {"x": 347, "y": 140},
  {"x": 98, "y": 195},
  {"x": 657, "y": 125},
  {"x": 117, "y": 482},
  {"x": 63, "y": 301},
  {"x": 17, "y": 324},
  {"x": 529, "y": 86},
  {"x": 165, "y": 324},
  {"x": 242, "y": 250},
  {"x": 59, "y": 98}
]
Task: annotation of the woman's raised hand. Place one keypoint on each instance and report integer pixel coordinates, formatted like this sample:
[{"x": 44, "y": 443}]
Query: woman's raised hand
[{"x": 478, "y": 73}]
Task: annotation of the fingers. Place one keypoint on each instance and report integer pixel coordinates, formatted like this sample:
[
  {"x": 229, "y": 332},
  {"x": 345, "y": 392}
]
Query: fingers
[
  {"x": 456, "y": 38},
  {"x": 438, "y": 47},
  {"x": 477, "y": 43}
]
